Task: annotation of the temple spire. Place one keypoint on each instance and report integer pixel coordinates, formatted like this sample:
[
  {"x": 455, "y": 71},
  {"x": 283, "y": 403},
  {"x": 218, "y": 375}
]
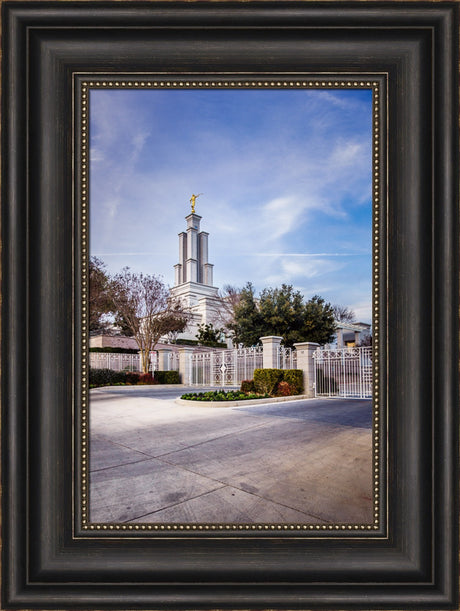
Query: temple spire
[{"x": 193, "y": 263}]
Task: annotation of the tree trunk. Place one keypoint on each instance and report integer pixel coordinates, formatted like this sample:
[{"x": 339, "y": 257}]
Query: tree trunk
[{"x": 145, "y": 360}]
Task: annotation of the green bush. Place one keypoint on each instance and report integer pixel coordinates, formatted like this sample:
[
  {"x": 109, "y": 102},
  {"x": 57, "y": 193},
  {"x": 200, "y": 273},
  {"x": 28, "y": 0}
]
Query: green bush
[
  {"x": 294, "y": 377},
  {"x": 146, "y": 378},
  {"x": 115, "y": 350},
  {"x": 248, "y": 386},
  {"x": 106, "y": 377},
  {"x": 195, "y": 342},
  {"x": 132, "y": 377},
  {"x": 186, "y": 342},
  {"x": 284, "y": 389},
  {"x": 222, "y": 395},
  {"x": 268, "y": 381},
  {"x": 265, "y": 380},
  {"x": 167, "y": 377}
]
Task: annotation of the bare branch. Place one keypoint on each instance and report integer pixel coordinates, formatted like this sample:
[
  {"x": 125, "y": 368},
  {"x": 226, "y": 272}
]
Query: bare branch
[{"x": 143, "y": 302}]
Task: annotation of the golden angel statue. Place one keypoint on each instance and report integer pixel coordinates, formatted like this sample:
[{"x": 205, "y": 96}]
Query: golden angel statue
[{"x": 193, "y": 200}]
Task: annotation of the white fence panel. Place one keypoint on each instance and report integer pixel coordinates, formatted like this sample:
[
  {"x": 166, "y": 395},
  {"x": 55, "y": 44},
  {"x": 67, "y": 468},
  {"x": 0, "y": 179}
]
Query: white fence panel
[
  {"x": 121, "y": 361},
  {"x": 287, "y": 358},
  {"x": 173, "y": 361},
  {"x": 118, "y": 361},
  {"x": 345, "y": 372},
  {"x": 224, "y": 367}
]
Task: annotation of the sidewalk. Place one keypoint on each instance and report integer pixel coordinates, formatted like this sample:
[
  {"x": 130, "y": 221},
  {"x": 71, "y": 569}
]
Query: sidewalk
[{"x": 153, "y": 460}]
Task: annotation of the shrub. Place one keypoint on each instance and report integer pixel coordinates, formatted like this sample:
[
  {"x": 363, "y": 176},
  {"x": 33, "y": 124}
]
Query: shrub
[
  {"x": 115, "y": 350},
  {"x": 248, "y": 386},
  {"x": 221, "y": 395},
  {"x": 284, "y": 389},
  {"x": 265, "y": 380},
  {"x": 268, "y": 381},
  {"x": 186, "y": 342},
  {"x": 131, "y": 377},
  {"x": 106, "y": 377},
  {"x": 167, "y": 377},
  {"x": 294, "y": 377},
  {"x": 146, "y": 378}
]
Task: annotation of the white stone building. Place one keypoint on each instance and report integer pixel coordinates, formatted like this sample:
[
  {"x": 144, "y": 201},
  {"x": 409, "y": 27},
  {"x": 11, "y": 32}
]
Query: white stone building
[
  {"x": 193, "y": 284},
  {"x": 350, "y": 334}
]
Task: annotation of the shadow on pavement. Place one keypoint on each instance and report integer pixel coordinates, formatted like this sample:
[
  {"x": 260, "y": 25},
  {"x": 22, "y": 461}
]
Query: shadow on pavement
[{"x": 344, "y": 412}]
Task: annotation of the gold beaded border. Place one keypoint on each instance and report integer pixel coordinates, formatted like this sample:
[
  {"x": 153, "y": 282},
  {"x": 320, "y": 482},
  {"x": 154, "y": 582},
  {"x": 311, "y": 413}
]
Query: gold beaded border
[{"x": 379, "y": 148}]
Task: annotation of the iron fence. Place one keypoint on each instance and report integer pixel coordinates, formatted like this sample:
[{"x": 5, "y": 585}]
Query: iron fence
[
  {"x": 225, "y": 367},
  {"x": 345, "y": 372}
]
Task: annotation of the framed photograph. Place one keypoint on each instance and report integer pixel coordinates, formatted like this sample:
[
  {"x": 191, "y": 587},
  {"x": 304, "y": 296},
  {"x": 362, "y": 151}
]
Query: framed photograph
[
  {"x": 230, "y": 305},
  {"x": 158, "y": 456}
]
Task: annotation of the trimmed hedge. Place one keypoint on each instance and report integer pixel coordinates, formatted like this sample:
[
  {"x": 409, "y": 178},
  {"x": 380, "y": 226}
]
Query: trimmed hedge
[
  {"x": 195, "y": 342},
  {"x": 116, "y": 350},
  {"x": 106, "y": 377},
  {"x": 248, "y": 386},
  {"x": 294, "y": 377},
  {"x": 221, "y": 395},
  {"x": 266, "y": 380},
  {"x": 146, "y": 378},
  {"x": 167, "y": 377},
  {"x": 132, "y": 377},
  {"x": 269, "y": 380}
]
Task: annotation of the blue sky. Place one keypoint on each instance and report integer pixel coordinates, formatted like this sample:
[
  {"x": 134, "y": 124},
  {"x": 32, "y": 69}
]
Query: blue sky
[{"x": 286, "y": 179}]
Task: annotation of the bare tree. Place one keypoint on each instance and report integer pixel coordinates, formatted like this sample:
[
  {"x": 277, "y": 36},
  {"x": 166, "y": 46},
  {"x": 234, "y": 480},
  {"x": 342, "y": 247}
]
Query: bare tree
[
  {"x": 226, "y": 302},
  {"x": 343, "y": 314},
  {"x": 144, "y": 304}
]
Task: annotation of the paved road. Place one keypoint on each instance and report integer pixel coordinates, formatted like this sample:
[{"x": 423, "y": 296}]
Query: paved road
[{"x": 153, "y": 460}]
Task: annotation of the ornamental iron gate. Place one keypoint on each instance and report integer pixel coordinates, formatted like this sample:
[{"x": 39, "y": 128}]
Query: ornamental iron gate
[
  {"x": 225, "y": 367},
  {"x": 345, "y": 372},
  {"x": 287, "y": 358}
]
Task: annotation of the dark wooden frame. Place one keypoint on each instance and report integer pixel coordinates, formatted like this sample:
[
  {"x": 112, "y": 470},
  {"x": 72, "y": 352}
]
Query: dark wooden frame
[{"x": 46, "y": 563}]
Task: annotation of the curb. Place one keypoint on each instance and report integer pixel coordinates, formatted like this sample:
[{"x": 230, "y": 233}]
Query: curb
[{"x": 242, "y": 402}]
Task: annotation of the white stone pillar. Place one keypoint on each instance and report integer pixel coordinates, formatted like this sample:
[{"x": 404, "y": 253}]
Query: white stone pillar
[
  {"x": 178, "y": 274},
  {"x": 182, "y": 256},
  {"x": 192, "y": 243},
  {"x": 207, "y": 274},
  {"x": 306, "y": 363},
  {"x": 203, "y": 237},
  {"x": 271, "y": 344},
  {"x": 357, "y": 338},
  {"x": 339, "y": 338},
  {"x": 185, "y": 369},
  {"x": 192, "y": 270},
  {"x": 163, "y": 358}
]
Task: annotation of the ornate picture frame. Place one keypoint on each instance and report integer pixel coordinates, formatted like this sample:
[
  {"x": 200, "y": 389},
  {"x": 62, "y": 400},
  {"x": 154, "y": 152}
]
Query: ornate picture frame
[{"x": 53, "y": 53}]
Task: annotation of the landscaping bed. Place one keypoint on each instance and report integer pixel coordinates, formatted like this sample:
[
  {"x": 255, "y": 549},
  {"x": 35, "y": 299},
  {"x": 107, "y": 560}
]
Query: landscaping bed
[
  {"x": 267, "y": 384},
  {"x": 109, "y": 377},
  {"x": 222, "y": 395}
]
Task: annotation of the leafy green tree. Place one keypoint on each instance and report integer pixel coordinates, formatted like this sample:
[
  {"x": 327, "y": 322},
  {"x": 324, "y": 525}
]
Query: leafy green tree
[
  {"x": 318, "y": 324},
  {"x": 246, "y": 327},
  {"x": 283, "y": 312},
  {"x": 100, "y": 304},
  {"x": 208, "y": 336}
]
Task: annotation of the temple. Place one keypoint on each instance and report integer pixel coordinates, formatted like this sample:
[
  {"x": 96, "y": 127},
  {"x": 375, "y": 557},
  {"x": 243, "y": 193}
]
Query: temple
[{"x": 193, "y": 284}]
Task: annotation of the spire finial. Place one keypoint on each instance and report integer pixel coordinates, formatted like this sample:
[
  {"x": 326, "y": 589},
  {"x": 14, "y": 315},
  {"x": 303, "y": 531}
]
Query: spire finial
[{"x": 193, "y": 200}]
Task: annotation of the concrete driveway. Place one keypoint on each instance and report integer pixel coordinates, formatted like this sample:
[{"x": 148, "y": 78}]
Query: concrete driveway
[{"x": 303, "y": 462}]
